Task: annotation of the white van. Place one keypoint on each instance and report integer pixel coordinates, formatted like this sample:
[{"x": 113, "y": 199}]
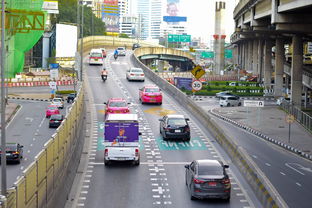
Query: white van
[
  {"x": 229, "y": 100},
  {"x": 96, "y": 57}
]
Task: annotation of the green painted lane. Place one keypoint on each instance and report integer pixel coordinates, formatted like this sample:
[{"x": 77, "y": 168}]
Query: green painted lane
[{"x": 195, "y": 144}]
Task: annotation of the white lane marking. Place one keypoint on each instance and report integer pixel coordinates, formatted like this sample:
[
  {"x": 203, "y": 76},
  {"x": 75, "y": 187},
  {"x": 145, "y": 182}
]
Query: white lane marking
[
  {"x": 255, "y": 156},
  {"x": 294, "y": 169},
  {"x": 268, "y": 164},
  {"x": 41, "y": 123},
  {"x": 149, "y": 163},
  {"x": 298, "y": 184},
  {"x": 282, "y": 173},
  {"x": 13, "y": 117}
]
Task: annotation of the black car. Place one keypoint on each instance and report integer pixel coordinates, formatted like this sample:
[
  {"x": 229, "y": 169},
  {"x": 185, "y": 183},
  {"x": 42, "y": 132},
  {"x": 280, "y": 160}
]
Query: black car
[
  {"x": 14, "y": 152},
  {"x": 56, "y": 120},
  {"x": 71, "y": 97},
  {"x": 135, "y": 46},
  {"x": 175, "y": 127},
  {"x": 208, "y": 179}
]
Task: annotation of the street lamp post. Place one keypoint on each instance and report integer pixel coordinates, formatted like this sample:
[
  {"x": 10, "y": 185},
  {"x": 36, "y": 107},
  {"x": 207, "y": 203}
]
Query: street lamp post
[
  {"x": 3, "y": 122},
  {"x": 81, "y": 42}
]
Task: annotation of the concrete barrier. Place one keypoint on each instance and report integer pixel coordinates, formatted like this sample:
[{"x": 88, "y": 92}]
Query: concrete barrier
[{"x": 262, "y": 187}]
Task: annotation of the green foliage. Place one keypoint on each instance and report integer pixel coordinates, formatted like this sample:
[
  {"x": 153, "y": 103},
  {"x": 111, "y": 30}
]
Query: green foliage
[
  {"x": 68, "y": 13},
  {"x": 122, "y": 35},
  {"x": 63, "y": 92}
]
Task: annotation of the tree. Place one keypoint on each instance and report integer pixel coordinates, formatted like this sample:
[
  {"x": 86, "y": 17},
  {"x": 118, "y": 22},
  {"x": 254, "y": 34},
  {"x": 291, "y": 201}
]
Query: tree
[
  {"x": 123, "y": 35},
  {"x": 68, "y": 13}
]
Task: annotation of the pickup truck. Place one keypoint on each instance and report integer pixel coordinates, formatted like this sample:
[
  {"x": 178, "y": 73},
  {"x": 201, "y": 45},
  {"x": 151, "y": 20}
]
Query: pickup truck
[{"x": 121, "y": 138}]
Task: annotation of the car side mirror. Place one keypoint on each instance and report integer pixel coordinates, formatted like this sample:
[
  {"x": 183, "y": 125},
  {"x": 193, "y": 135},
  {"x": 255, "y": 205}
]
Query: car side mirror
[
  {"x": 187, "y": 119},
  {"x": 187, "y": 166},
  {"x": 105, "y": 103},
  {"x": 129, "y": 103},
  {"x": 140, "y": 133},
  {"x": 226, "y": 166},
  {"x": 160, "y": 119},
  {"x": 21, "y": 146}
]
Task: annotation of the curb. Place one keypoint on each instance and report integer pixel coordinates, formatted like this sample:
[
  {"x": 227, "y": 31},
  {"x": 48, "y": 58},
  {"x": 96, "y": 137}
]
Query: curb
[
  {"x": 35, "y": 99},
  {"x": 263, "y": 136}
]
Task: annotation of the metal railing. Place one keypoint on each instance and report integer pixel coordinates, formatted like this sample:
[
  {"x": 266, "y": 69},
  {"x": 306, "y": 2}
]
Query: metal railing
[{"x": 303, "y": 118}]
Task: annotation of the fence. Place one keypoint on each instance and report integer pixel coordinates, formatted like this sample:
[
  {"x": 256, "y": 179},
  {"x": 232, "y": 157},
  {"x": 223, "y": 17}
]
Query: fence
[{"x": 303, "y": 118}]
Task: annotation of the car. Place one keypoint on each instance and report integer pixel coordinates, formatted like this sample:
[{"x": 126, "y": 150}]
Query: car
[
  {"x": 281, "y": 100},
  {"x": 96, "y": 57},
  {"x": 116, "y": 105},
  {"x": 51, "y": 110},
  {"x": 150, "y": 94},
  {"x": 207, "y": 179},
  {"x": 71, "y": 97},
  {"x": 135, "y": 46},
  {"x": 229, "y": 100},
  {"x": 135, "y": 74},
  {"x": 56, "y": 120},
  {"x": 104, "y": 53},
  {"x": 175, "y": 127},
  {"x": 219, "y": 94},
  {"x": 13, "y": 152},
  {"x": 58, "y": 102},
  {"x": 121, "y": 51}
]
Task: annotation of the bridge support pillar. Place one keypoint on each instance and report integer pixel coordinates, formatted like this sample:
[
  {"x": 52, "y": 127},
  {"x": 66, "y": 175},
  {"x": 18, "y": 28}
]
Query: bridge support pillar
[
  {"x": 260, "y": 59},
  {"x": 249, "y": 57},
  {"x": 296, "y": 70},
  {"x": 267, "y": 64},
  {"x": 254, "y": 57},
  {"x": 160, "y": 65},
  {"x": 279, "y": 67},
  {"x": 246, "y": 56}
]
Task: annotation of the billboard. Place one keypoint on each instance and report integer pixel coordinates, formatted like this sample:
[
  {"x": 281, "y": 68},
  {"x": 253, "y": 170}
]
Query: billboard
[
  {"x": 110, "y": 15},
  {"x": 66, "y": 40},
  {"x": 173, "y": 12},
  {"x": 183, "y": 82}
]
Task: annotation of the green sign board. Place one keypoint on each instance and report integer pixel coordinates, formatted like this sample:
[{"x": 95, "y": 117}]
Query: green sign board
[
  {"x": 228, "y": 53},
  {"x": 207, "y": 54},
  {"x": 179, "y": 38}
]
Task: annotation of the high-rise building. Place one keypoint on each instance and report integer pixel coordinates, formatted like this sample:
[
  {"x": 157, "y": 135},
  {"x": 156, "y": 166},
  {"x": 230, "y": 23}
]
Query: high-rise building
[
  {"x": 150, "y": 12},
  {"x": 128, "y": 25}
]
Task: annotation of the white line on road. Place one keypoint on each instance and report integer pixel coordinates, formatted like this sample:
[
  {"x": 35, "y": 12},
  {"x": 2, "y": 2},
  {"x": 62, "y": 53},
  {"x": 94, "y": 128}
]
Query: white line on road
[
  {"x": 298, "y": 184},
  {"x": 282, "y": 173},
  {"x": 149, "y": 163},
  {"x": 268, "y": 164},
  {"x": 41, "y": 123},
  {"x": 294, "y": 169}
]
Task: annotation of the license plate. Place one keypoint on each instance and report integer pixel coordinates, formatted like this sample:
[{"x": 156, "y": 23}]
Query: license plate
[
  {"x": 56, "y": 121},
  {"x": 95, "y": 59},
  {"x": 117, "y": 112},
  {"x": 152, "y": 100},
  {"x": 212, "y": 183},
  {"x": 7, "y": 154},
  {"x": 178, "y": 131}
]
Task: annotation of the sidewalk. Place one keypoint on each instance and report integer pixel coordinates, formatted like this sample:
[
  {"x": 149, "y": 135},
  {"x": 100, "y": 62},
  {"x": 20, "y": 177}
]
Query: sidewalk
[{"x": 270, "y": 123}]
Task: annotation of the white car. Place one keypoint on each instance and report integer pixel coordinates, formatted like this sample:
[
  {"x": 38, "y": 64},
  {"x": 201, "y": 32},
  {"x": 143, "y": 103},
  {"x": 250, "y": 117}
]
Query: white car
[
  {"x": 135, "y": 74},
  {"x": 58, "y": 102},
  {"x": 121, "y": 51},
  {"x": 229, "y": 100}
]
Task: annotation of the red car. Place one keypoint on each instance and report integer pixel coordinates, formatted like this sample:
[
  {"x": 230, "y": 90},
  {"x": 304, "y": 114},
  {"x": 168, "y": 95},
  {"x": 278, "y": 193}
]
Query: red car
[
  {"x": 116, "y": 105},
  {"x": 150, "y": 94},
  {"x": 51, "y": 110}
]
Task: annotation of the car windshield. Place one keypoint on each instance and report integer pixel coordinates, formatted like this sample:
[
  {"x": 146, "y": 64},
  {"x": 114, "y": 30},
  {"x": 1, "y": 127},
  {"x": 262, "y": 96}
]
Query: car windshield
[
  {"x": 52, "y": 108},
  {"x": 137, "y": 70},
  {"x": 56, "y": 117},
  {"x": 117, "y": 104},
  {"x": 99, "y": 55},
  {"x": 151, "y": 90},
  {"x": 176, "y": 121},
  {"x": 120, "y": 49},
  {"x": 210, "y": 170}
]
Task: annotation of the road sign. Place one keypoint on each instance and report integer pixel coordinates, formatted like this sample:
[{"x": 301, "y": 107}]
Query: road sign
[
  {"x": 207, "y": 54},
  {"x": 228, "y": 53},
  {"x": 198, "y": 72},
  {"x": 253, "y": 103},
  {"x": 290, "y": 118},
  {"x": 197, "y": 85},
  {"x": 179, "y": 38},
  {"x": 52, "y": 85}
]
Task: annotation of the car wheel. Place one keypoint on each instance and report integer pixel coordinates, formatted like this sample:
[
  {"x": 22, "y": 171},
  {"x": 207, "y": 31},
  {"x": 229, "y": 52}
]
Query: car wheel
[
  {"x": 164, "y": 136},
  {"x": 18, "y": 161},
  {"x": 228, "y": 105},
  {"x": 239, "y": 104},
  {"x": 160, "y": 103},
  {"x": 160, "y": 129},
  {"x": 191, "y": 193},
  {"x": 187, "y": 139},
  {"x": 106, "y": 162},
  {"x": 227, "y": 199},
  {"x": 137, "y": 162}
]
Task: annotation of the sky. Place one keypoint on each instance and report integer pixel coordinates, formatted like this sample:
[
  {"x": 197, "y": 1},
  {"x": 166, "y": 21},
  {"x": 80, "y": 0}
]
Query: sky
[{"x": 201, "y": 16}]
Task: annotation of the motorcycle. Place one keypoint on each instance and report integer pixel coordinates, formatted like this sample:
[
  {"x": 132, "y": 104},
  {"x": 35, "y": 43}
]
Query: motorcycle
[
  {"x": 115, "y": 56},
  {"x": 104, "y": 77}
]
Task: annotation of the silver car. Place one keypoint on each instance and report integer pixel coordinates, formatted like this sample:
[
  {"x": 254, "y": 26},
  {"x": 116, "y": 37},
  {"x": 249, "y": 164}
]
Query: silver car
[
  {"x": 121, "y": 51},
  {"x": 207, "y": 179},
  {"x": 135, "y": 74},
  {"x": 229, "y": 100}
]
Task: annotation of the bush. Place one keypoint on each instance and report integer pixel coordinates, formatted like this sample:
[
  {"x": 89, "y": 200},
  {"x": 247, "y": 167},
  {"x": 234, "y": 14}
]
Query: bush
[{"x": 62, "y": 92}]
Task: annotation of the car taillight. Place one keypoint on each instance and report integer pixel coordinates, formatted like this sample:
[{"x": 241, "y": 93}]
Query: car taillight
[
  {"x": 137, "y": 152},
  {"x": 15, "y": 153},
  {"x": 226, "y": 181},
  {"x": 51, "y": 121},
  {"x": 106, "y": 152},
  {"x": 131, "y": 74},
  {"x": 187, "y": 128},
  {"x": 197, "y": 181},
  {"x": 126, "y": 111},
  {"x": 142, "y": 74}
]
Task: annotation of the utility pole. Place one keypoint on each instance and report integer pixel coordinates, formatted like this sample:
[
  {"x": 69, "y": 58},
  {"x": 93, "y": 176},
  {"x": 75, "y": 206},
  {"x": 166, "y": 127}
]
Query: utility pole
[
  {"x": 3, "y": 122},
  {"x": 81, "y": 42}
]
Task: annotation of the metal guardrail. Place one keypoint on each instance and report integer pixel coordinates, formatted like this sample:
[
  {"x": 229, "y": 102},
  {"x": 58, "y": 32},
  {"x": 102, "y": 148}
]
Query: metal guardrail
[{"x": 303, "y": 118}]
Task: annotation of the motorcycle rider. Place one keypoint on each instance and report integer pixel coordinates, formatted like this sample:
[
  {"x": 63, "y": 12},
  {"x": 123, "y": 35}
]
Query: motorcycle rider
[
  {"x": 116, "y": 54},
  {"x": 104, "y": 74}
]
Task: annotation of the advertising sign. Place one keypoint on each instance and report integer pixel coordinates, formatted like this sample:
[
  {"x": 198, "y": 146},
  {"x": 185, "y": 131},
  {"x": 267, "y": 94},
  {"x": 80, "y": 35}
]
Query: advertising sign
[
  {"x": 121, "y": 132},
  {"x": 183, "y": 82},
  {"x": 172, "y": 11},
  {"x": 174, "y": 19},
  {"x": 110, "y": 15}
]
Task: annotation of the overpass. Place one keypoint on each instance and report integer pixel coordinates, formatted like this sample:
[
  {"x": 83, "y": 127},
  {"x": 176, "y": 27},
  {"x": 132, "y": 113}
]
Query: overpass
[{"x": 262, "y": 24}]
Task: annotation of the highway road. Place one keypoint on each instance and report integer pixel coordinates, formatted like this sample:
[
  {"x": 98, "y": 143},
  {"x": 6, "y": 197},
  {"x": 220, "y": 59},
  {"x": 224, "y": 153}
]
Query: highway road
[
  {"x": 30, "y": 128},
  {"x": 159, "y": 180},
  {"x": 290, "y": 174}
]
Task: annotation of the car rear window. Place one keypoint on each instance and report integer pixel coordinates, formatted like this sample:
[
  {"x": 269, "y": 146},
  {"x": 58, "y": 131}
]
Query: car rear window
[
  {"x": 117, "y": 104},
  {"x": 52, "y": 108},
  {"x": 232, "y": 98},
  {"x": 56, "y": 117},
  {"x": 176, "y": 121},
  {"x": 96, "y": 55},
  {"x": 120, "y": 49},
  {"x": 151, "y": 90},
  {"x": 12, "y": 147},
  {"x": 210, "y": 170},
  {"x": 137, "y": 70}
]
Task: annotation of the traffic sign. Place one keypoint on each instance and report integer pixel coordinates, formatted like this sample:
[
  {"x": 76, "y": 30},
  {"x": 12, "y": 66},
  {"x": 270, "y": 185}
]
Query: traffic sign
[
  {"x": 198, "y": 72},
  {"x": 253, "y": 103},
  {"x": 197, "y": 85},
  {"x": 52, "y": 85},
  {"x": 290, "y": 118},
  {"x": 179, "y": 38}
]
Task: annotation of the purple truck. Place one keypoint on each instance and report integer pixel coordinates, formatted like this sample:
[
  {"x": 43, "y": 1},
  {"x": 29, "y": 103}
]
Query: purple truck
[{"x": 121, "y": 138}]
